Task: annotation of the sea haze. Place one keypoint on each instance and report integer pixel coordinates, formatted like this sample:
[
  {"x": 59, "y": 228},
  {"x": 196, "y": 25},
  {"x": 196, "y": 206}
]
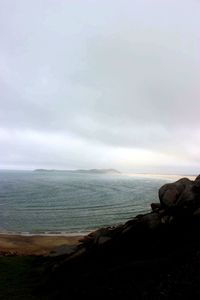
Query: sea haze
[{"x": 71, "y": 202}]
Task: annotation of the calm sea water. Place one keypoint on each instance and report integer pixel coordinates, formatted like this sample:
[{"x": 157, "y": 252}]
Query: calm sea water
[{"x": 64, "y": 202}]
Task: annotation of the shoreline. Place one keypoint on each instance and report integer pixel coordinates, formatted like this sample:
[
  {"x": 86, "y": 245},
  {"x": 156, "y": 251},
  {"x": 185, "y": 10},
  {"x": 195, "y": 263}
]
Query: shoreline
[
  {"x": 41, "y": 245},
  {"x": 48, "y": 234}
]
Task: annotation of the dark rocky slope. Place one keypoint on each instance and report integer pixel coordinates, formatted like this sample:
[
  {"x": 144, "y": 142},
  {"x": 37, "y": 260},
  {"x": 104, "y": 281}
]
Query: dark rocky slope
[{"x": 152, "y": 256}]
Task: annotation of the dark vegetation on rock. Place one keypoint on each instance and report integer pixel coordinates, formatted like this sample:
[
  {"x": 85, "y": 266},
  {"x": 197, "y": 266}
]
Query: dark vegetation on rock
[{"x": 152, "y": 256}]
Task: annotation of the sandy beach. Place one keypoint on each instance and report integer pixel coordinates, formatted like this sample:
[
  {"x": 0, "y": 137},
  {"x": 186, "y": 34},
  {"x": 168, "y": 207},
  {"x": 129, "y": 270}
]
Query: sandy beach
[{"x": 36, "y": 244}]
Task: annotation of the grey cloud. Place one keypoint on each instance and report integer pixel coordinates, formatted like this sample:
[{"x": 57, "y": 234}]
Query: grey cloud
[{"x": 117, "y": 74}]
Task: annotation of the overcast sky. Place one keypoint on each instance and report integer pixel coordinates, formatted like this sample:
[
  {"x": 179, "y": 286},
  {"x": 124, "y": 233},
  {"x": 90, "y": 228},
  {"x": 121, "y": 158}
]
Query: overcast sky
[{"x": 100, "y": 84}]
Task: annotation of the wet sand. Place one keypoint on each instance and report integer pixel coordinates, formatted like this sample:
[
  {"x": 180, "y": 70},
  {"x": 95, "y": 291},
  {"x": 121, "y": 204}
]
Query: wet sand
[{"x": 36, "y": 244}]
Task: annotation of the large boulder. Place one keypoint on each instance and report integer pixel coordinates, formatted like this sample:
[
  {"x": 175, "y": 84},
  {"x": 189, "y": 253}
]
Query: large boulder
[{"x": 183, "y": 193}]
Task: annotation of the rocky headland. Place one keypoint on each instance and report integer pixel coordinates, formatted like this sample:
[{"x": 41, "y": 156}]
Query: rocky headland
[{"x": 152, "y": 256}]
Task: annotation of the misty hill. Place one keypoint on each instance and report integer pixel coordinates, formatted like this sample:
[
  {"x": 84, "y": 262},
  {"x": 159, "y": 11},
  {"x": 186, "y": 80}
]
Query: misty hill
[
  {"x": 99, "y": 171},
  {"x": 44, "y": 170},
  {"x": 90, "y": 171}
]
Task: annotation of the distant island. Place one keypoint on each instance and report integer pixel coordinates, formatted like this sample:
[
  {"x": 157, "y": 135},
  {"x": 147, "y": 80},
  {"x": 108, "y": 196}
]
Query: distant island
[
  {"x": 90, "y": 171},
  {"x": 98, "y": 171}
]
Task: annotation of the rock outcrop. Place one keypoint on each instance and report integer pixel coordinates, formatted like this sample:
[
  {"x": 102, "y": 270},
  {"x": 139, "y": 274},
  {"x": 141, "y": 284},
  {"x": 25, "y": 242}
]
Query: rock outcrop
[
  {"x": 179, "y": 201},
  {"x": 113, "y": 259},
  {"x": 183, "y": 193}
]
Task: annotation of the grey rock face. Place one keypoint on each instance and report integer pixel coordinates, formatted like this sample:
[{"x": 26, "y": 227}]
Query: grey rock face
[{"x": 183, "y": 193}]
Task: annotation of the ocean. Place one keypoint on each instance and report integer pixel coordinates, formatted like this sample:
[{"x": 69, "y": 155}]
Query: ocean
[{"x": 67, "y": 202}]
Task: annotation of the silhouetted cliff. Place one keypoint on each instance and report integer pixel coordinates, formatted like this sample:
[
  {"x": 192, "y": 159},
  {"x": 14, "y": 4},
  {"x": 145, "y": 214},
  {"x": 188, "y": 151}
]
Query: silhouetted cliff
[{"x": 152, "y": 256}]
